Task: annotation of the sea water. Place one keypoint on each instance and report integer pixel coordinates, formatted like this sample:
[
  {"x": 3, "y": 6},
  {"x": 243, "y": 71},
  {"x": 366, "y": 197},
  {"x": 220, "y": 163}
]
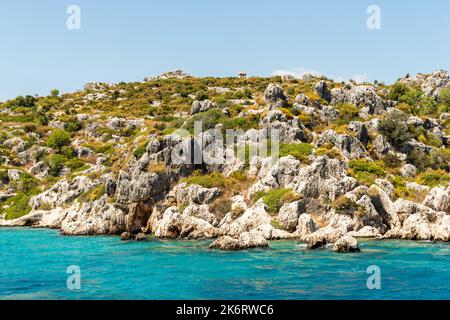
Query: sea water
[{"x": 34, "y": 265}]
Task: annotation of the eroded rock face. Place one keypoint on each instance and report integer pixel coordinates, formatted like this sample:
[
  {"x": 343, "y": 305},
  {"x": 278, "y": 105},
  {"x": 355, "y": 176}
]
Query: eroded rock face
[
  {"x": 438, "y": 199},
  {"x": 277, "y": 176},
  {"x": 418, "y": 222},
  {"x": 276, "y": 122},
  {"x": 251, "y": 219},
  {"x": 431, "y": 84},
  {"x": 62, "y": 193},
  {"x": 275, "y": 96},
  {"x": 350, "y": 146},
  {"x": 140, "y": 186},
  {"x": 364, "y": 96},
  {"x": 39, "y": 219},
  {"x": 361, "y": 131},
  {"x": 201, "y": 106},
  {"x": 321, "y": 88},
  {"x": 194, "y": 194},
  {"x": 94, "y": 218},
  {"x": 305, "y": 226},
  {"x": 289, "y": 214},
  {"x": 325, "y": 179},
  {"x": 171, "y": 224}
]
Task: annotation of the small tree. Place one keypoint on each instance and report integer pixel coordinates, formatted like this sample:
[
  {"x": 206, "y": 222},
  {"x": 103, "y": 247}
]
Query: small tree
[
  {"x": 395, "y": 129},
  {"x": 54, "y": 93},
  {"x": 58, "y": 139}
]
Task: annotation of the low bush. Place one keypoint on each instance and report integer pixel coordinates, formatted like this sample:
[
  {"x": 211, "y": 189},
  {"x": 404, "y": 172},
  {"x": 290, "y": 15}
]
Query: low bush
[
  {"x": 347, "y": 112},
  {"x": 364, "y": 165},
  {"x": 55, "y": 163},
  {"x": 394, "y": 128},
  {"x": 434, "y": 178},
  {"x": 275, "y": 198},
  {"x": 140, "y": 150},
  {"x": 212, "y": 180},
  {"x": 344, "y": 205},
  {"x": 300, "y": 151}
]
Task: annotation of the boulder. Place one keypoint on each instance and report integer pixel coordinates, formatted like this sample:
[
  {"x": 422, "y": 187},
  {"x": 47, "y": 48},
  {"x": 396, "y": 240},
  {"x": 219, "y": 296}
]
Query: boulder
[
  {"x": 251, "y": 219},
  {"x": 408, "y": 171},
  {"x": 246, "y": 240},
  {"x": 305, "y": 226},
  {"x": 172, "y": 224},
  {"x": 194, "y": 194},
  {"x": 275, "y": 96},
  {"x": 361, "y": 131},
  {"x": 323, "y": 236},
  {"x": 350, "y": 146},
  {"x": 346, "y": 244},
  {"x": 201, "y": 106},
  {"x": 289, "y": 214},
  {"x": 321, "y": 89}
]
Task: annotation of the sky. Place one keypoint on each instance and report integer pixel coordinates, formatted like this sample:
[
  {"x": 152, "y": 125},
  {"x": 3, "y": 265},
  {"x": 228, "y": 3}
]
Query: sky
[{"x": 127, "y": 40}]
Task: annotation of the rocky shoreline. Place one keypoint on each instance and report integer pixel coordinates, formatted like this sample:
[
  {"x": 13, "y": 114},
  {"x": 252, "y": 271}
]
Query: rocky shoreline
[{"x": 324, "y": 199}]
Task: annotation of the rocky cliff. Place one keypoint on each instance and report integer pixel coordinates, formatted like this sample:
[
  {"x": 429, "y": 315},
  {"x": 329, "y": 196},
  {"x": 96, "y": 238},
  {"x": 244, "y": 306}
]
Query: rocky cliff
[{"x": 353, "y": 160}]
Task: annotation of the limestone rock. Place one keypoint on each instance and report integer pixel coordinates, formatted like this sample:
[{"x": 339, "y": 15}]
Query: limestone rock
[
  {"x": 346, "y": 244},
  {"x": 201, "y": 106},
  {"x": 274, "y": 95},
  {"x": 95, "y": 218},
  {"x": 194, "y": 194},
  {"x": 246, "y": 240}
]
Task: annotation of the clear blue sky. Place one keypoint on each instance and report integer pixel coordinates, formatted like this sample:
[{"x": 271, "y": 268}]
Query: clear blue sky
[{"x": 126, "y": 40}]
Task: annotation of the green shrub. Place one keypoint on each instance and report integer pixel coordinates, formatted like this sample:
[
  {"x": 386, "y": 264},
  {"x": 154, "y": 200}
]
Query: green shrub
[
  {"x": 418, "y": 102},
  {"x": 275, "y": 198},
  {"x": 27, "y": 186},
  {"x": 394, "y": 128},
  {"x": 140, "y": 150},
  {"x": 58, "y": 139},
  {"x": 390, "y": 160},
  {"x": 365, "y": 171},
  {"x": 344, "y": 205},
  {"x": 55, "y": 163},
  {"x": 75, "y": 164},
  {"x": 444, "y": 97},
  {"x": 299, "y": 151},
  {"x": 212, "y": 180},
  {"x": 18, "y": 206},
  {"x": 220, "y": 207},
  {"x": 364, "y": 165},
  {"x": 74, "y": 126},
  {"x": 434, "y": 178},
  {"x": 347, "y": 112},
  {"x": 436, "y": 159},
  {"x": 93, "y": 194},
  {"x": 209, "y": 119}
]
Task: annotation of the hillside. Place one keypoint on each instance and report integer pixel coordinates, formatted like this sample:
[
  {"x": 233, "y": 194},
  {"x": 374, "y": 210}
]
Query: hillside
[{"x": 356, "y": 160}]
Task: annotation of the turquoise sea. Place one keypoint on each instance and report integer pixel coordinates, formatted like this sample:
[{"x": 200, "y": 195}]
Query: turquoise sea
[{"x": 33, "y": 265}]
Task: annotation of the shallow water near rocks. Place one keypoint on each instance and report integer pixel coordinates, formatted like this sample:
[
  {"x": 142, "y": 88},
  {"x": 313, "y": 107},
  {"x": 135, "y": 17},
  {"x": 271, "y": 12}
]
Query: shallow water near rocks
[{"x": 33, "y": 264}]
